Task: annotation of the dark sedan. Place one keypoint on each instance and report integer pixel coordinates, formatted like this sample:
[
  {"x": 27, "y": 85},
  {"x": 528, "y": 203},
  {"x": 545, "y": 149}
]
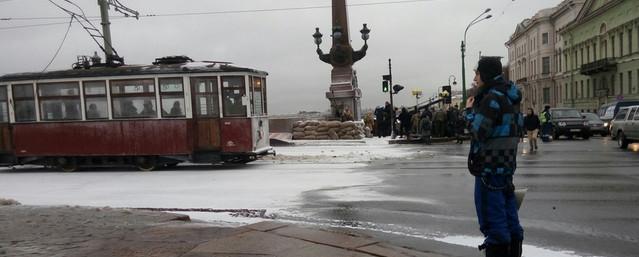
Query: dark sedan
[
  {"x": 597, "y": 126},
  {"x": 569, "y": 122}
]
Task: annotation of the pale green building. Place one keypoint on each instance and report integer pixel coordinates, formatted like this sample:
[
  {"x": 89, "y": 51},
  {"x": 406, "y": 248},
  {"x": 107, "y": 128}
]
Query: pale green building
[{"x": 599, "y": 60}]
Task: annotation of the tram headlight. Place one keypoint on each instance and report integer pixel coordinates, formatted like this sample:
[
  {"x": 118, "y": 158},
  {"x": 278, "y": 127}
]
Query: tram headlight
[{"x": 561, "y": 124}]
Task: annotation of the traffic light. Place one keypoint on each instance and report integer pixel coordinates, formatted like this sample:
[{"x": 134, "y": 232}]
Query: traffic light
[
  {"x": 447, "y": 94},
  {"x": 385, "y": 86},
  {"x": 397, "y": 88}
]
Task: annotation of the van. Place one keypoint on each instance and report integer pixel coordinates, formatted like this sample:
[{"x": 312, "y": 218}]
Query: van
[
  {"x": 625, "y": 126},
  {"x": 608, "y": 111}
]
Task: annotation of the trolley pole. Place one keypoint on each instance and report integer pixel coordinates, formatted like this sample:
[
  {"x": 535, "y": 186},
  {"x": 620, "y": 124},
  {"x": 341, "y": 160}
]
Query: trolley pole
[
  {"x": 106, "y": 30},
  {"x": 390, "y": 90}
]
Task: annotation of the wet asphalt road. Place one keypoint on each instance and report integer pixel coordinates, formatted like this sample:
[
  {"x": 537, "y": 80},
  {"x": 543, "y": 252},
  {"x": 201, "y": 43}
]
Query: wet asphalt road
[{"x": 583, "y": 197}]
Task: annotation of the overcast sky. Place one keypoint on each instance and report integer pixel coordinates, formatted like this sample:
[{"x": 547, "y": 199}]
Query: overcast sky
[{"x": 422, "y": 38}]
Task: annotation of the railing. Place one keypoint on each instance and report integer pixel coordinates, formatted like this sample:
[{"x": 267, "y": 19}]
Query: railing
[{"x": 598, "y": 66}]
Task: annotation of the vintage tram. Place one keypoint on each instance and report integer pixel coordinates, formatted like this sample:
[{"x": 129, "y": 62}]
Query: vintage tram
[{"x": 149, "y": 116}]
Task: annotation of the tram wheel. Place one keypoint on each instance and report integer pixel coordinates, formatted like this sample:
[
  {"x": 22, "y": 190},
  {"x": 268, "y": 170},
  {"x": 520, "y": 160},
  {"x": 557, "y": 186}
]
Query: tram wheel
[
  {"x": 67, "y": 164},
  {"x": 146, "y": 163}
]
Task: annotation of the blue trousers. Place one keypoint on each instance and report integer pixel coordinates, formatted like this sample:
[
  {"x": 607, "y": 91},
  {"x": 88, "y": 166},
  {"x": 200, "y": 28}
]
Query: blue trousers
[{"x": 496, "y": 207}]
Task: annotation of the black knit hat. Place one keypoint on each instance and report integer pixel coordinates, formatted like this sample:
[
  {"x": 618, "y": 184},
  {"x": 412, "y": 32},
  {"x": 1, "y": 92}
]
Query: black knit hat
[{"x": 489, "y": 67}]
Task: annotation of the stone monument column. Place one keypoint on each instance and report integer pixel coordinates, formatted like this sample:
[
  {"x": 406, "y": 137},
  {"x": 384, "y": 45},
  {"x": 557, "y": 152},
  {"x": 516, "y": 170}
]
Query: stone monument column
[{"x": 344, "y": 92}]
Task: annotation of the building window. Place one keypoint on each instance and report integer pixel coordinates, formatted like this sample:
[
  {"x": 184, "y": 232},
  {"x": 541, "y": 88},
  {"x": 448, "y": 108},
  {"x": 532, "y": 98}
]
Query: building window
[
  {"x": 587, "y": 54},
  {"x": 233, "y": 93},
  {"x": 630, "y": 41},
  {"x": 612, "y": 44},
  {"x": 588, "y": 89},
  {"x": 581, "y": 56},
  {"x": 621, "y": 83},
  {"x": 546, "y": 95},
  {"x": 24, "y": 102},
  {"x": 4, "y": 104},
  {"x": 172, "y": 97},
  {"x": 133, "y": 98},
  {"x": 544, "y": 38},
  {"x": 612, "y": 84},
  {"x": 621, "y": 44},
  {"x": 59, "y": 101},
  {"x": 545, "y": 65},
  {"x": 566, "y": 62},
  {"x": 604, "y": 49},
  {"x": 207, "y": 103},
  {"x": 559, "y": 62},
  {"x": 594, "y": 51},
  {"x": 566, "y": 92},
  {"x": 95, "y": 100},
  {"x": 629, "y": 82},
  {"x": 581, "y": 90}
]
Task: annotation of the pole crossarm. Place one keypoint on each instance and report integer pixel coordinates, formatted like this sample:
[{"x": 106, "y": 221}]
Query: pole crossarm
[{"x": 119, "y": 7}]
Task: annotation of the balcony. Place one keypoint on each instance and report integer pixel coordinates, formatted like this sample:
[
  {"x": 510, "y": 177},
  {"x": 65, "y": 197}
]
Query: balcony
[{"x": 598, "y": 66}]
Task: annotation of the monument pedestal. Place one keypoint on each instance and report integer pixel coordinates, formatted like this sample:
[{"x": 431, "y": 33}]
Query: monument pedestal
[{"x": 344, "y": 92}]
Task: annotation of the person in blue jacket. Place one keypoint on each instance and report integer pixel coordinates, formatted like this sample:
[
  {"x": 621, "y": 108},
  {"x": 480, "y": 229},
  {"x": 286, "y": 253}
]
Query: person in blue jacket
[{"x": 495, "y": 123}]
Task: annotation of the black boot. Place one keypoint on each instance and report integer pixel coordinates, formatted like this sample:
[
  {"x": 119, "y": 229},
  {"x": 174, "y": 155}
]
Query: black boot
[
  {"x": 497, "y": 250},
  {"x": 515, "y": 248}
]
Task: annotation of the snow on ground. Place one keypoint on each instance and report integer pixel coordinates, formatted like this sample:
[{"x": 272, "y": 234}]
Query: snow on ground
[
  {"x": 366, "y": 150},
  {"x": 270, "y": 187}
]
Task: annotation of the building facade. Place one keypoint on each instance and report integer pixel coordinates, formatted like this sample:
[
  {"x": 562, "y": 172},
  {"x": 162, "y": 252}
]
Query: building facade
[
  {"x": 534, "y": 52},
  {"x": 600, "y": 59}
]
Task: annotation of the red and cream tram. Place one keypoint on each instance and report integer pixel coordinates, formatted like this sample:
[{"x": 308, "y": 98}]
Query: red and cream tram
[{"x": 148, "y": 116}]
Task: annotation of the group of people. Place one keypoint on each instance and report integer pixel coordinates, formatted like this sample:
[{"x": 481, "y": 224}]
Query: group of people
[
  {"x": 148, "y": 110},
  {"x": 426, "y": 123}
]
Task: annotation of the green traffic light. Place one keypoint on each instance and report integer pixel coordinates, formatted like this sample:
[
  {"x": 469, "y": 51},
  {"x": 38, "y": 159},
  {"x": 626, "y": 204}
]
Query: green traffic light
[{"x": 385, "y": 87}]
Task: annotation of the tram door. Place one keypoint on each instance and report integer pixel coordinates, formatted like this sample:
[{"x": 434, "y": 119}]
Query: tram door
[
  {"x": 6, "y": 144},
  {"x": 206, "y": 115}
]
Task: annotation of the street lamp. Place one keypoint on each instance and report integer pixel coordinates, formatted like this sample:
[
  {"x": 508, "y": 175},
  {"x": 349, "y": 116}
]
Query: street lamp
[
  {"x": 463, "y": 51},
  {"x": 337, "y": 34},
  {"x": 454, "y": 80},
  {"x": 318, "y": 37}
]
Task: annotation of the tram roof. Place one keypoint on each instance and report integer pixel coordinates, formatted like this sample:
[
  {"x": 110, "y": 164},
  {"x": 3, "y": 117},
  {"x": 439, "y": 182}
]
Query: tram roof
[{"x": 131, "y": 70}]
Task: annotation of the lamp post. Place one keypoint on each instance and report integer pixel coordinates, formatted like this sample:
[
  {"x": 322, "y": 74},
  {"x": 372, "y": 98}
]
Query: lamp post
[
  {"x": 342, "y": 57},
  {"x": 463, "y": 51}
]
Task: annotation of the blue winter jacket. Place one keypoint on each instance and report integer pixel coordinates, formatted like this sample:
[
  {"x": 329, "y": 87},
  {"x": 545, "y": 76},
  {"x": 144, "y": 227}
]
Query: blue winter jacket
[{"x": 495, "y": 123}]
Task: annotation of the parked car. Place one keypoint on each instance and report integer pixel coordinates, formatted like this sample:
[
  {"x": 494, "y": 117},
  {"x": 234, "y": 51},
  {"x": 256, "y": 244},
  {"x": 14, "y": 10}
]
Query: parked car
[
  {"x": 569, "y": 122},
  {"x": 596, "y": 125},
  {"x": 625, "y": 126},
  {"x": 608, "y": 111}
]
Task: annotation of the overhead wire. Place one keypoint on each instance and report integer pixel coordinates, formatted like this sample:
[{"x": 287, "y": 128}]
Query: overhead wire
[
  {"x": 202, "y": 13},
  {"x": 61, "y": 44}
]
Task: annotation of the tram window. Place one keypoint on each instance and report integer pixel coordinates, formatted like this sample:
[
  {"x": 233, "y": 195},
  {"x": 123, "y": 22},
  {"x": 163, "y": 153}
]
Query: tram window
[
  {"x": 207, "y": 103},
  {"x": 59, "y": 101},
  {"x": 264, "y": 98},
  {"x": 172, "y": 97},
  {"x": 133, "y": 98},
  {"x": 232, "y": 94},
  {"x": 4, "y": 114},
  {"x": 24, "y": 102},
  {"x": 95, "y": 100},
  {"x": 257, "y": 100}
]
